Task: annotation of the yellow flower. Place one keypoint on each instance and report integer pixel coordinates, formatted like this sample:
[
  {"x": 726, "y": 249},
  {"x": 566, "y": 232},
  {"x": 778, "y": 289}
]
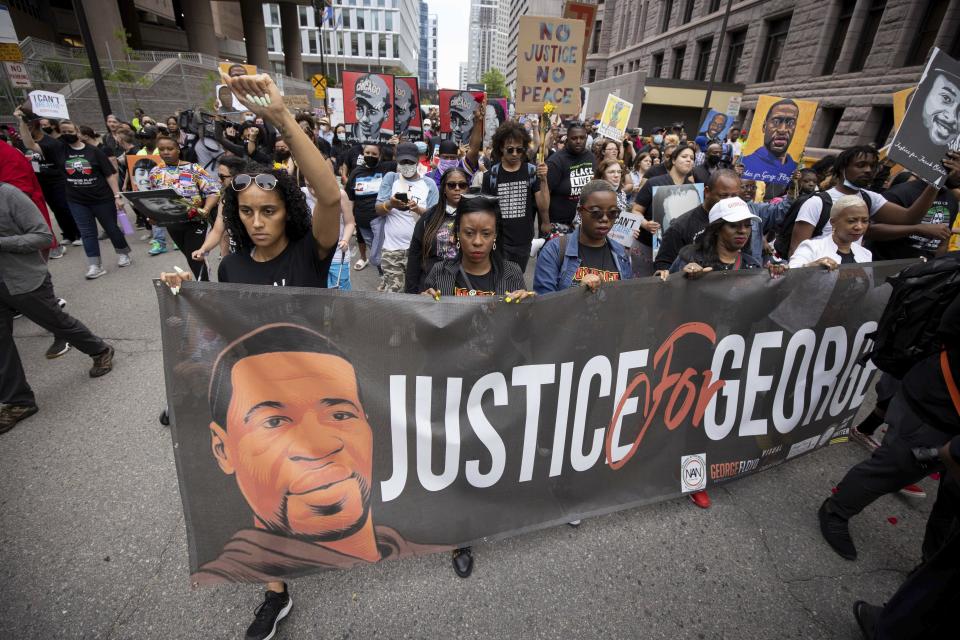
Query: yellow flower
[
  {"x": 549, "y": 108},
  {"x": 278, "y": 165}
]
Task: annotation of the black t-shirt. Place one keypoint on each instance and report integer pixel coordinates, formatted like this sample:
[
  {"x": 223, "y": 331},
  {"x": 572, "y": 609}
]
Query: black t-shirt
[
  {"x": 51, "y": 170},
  {"x": 86, "y": 172},
  {"x": 567, "y": 175},
  {"x": 362, "y": 188},
  {"x": 683, "y": 231},
  {"x": 352, "y": 157},
  {"x": 942, "y": 211},
  {"x": 485, "y": 285},
  {"x": 299, "y": 265},
  {"x": 847, "y": 258},
  {"x": 518, "y": 203},
  {"x": 598, "y": 261},
  {"x": 656, "y": 171},
  {"x": 645, "y": 199}
]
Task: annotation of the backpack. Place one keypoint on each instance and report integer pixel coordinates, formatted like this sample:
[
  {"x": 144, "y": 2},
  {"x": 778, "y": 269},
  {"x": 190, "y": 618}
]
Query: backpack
[
  {"x": 784, "y": 234},
  {"x": 495, "y": 169},
  {"x": 907, "y": 331}
]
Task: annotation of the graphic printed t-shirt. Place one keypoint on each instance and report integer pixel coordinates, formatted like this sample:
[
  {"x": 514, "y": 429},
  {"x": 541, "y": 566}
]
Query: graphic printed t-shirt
[
  {"x": 598, "y": 261},
  {"x": 484, "y": 285},
  {"x": 567, "y": 175},
  {"x": 942, "y": 211},
  {"x": 362, "y": 188},
  {"x": 299, "y": 265},
  {"x": 810, "y": 210},
  {"x": 398, "y": 225},
  {"x": 518, "y": 204},
  {"x": 49, "y": 169},
  {"x": 86, "y": 172}
]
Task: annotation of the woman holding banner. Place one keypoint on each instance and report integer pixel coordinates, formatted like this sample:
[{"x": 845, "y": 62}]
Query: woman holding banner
[{"x": 278, "y": 243}]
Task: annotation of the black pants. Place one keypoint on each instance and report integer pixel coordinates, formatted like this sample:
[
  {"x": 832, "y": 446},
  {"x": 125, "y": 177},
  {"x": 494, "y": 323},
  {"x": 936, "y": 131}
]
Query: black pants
[
  {"x": 56, "y": 197},
  {"x": 519, "y": 255},
  {"x": 892, "y": 466},
  {"x": 40, "y": 306},
  {"x": 926, "y": 604},
  {"x": 189, "y": 237},
  {"x": 944, "y": 518}
]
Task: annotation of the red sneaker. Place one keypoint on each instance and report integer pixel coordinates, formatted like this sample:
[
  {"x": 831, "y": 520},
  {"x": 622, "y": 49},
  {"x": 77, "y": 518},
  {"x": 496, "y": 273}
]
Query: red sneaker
[
  {"x": 913, "y": 491},
  {"x": 701, "y": 499}
]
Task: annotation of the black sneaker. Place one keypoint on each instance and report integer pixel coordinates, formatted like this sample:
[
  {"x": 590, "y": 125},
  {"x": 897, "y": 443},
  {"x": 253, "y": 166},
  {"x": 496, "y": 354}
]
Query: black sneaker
[
  {"x": 463, "y": 562},
  {"x": 268, "y": 615},
  {"x": 57, "y": 349},
  {"x": 102, "y": 363},
  {"x": 11, "y": 414},
  {"x": 868, "y": 617},
  {"x": 836, "y": 531}
]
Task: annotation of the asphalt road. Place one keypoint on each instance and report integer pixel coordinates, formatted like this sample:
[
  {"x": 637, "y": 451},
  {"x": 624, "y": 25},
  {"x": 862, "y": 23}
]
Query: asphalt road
[{"x": 93, "y": 545}]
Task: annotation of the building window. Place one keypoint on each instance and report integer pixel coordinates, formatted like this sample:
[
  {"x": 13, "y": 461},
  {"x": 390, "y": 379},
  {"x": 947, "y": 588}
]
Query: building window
[
  {"x": 396, "y": 46},
  {"x": 881, "y": 119},
  {"x": 361, "y": 20},
  {"x": 312, "y": 40},
  {"x": 354, "y": 44},
  {"x": 839, "y": 35},
  {"x": 272, "y": 41},
  {"x": 630, "y": 67},
  {"x": 274, "y": 14},
  {"x": 595, "y": 45},
  {"x": 703, "y": 59},
  {"x": 829, "y": 121},
  {"x": 867, "y": 34},
  {"x": 368, "y": 45},
  {"x": 389, "y": 21},
  {"x": 926, "y": 36},
  {"x": 347, "y": 18},
  {"x": 383, "y": 46},
  {"x": 688, "y": 12},
  {"x": 735, "y": 42},
  {"x": 591, "y": 75},
  {"x": 713, "y": 5},
  {"x": 656, "y": 70},
  {"x": 302, "y": 15},
  {"x": 678, "y": 55},
  {"x": 667, "y": 8},
  {"x": 777, "y": 31}
]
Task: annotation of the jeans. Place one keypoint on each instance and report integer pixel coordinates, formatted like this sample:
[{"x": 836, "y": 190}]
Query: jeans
[
  {"x": 40, "y": 306},
  {"x": 159, "y": 234},
  {"x": 86, "y": 216},
  {"x": 339, "y": 276}
]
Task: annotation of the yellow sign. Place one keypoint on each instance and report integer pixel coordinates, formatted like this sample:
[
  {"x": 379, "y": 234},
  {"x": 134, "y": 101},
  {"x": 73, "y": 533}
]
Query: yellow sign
[
  {"x": 319, "y": 82},
  {"x": 10, "y": 53},
  {"x": 296, "y": 102}
]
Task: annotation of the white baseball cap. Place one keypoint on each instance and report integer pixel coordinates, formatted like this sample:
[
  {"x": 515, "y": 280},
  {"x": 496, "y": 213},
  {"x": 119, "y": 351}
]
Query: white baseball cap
[
  {"x": 731, "y": 210},
  {"x": 426, "y": 122}
]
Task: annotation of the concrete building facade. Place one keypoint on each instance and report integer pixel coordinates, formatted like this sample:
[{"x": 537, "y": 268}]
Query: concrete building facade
[
  {"x": 519, "y": 8},
  {"x": 427, "y": 66},
  {"x": 487, "y": 38},
  {"x": 848, "y": 55}
]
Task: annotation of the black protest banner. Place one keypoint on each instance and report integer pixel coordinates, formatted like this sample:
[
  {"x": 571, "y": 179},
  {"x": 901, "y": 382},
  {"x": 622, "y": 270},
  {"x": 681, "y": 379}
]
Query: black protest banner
[{"x": 318, "y": 429}]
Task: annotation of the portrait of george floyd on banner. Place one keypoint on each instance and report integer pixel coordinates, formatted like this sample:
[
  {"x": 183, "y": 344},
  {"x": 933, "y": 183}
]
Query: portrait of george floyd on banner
[
  {"x": 931, "y": 124},
  {"x": 458, "y": 112},
  {"x": 408, "y": 119},
  {"x": 368, "y": 105},
  {"x": 317, "y": 430},
  {"x": 778, "y": 135}
]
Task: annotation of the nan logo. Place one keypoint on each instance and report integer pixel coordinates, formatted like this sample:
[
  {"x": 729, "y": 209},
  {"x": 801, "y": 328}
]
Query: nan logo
[{"x": 693, "y": 473}]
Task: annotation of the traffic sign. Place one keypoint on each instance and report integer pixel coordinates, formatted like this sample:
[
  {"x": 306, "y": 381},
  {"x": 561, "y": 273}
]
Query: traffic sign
[
  {"x": 319, "y": 82},
  {"x": 18, "y": 75}
]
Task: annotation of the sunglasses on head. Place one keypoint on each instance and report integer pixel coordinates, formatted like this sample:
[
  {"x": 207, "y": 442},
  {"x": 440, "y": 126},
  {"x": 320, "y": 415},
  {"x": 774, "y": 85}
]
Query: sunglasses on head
[{"x": 265, "y": 181}]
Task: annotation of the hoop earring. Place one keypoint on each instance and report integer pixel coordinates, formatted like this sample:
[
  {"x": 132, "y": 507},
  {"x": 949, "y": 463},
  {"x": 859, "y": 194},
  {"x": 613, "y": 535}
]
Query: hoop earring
[
  {"x": 458, "y": 245},
  {"x": 494, "y": 244}
]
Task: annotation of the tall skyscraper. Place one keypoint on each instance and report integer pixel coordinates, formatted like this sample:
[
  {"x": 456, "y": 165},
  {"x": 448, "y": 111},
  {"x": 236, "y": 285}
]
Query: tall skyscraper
[
  {"x": 464, "y": 78},
  {"x": 488, "y": 37},
  {"x": 427, "y": 71},
  {"x": 520, "y": 8}
]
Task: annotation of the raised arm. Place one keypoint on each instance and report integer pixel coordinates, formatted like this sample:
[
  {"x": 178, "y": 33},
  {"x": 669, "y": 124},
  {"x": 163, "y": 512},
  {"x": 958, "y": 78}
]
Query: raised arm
[
  {"x": 261, "y": 96},
  {"x": 25, "y": 134},
  {"x": 476, "y": 135}
]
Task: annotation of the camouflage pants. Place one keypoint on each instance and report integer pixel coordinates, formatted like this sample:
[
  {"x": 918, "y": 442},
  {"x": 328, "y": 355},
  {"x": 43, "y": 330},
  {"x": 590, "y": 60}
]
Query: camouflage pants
[{"x": 394, "y": 264}]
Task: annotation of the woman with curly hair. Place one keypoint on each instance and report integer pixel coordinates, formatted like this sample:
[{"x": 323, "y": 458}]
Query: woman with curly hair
[
  {"x": 278, "y": 244},
  {"x": 433, "y": 237}
]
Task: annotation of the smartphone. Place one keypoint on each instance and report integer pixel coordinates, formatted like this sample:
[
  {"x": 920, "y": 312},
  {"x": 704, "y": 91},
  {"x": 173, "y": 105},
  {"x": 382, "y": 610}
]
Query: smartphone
[{"x": 402, "y": 197}]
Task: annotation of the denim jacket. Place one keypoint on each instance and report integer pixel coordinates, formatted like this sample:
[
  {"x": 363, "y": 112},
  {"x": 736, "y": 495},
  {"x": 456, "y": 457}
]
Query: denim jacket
[{"x": 555, "y": 272}]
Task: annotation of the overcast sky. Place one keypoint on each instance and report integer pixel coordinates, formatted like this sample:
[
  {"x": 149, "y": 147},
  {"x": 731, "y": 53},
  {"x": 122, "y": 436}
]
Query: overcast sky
[{"x": 453, "y": 32}]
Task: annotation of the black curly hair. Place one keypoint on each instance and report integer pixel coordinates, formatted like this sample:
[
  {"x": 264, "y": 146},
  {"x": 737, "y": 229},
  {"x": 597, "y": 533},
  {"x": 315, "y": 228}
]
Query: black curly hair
[
  {"x": 298, "y": 215},
  {"x": 509, "y": 130},
  {"x": 438, "y": 214}
]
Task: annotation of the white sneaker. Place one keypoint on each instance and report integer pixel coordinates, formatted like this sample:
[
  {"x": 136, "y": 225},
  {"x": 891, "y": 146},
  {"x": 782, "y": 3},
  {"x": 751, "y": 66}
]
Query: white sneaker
[
  {"x": 77, "y": 243},
  {"x": 59, "y": 252},
  {"x": 123, "y": 260},
  {"x": 94, "y": 271},
  {"x": 61, "y": 303}
]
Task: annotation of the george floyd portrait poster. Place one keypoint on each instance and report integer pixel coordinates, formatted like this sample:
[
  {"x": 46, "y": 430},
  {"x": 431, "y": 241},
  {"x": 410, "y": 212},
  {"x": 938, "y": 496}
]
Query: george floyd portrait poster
[
  {"x": 408, "y": 119},
  {"x": 368, "y": 105},
  {"x": 715, "y": 126},
  {"x": 138, "y": 170},
  {"x": 318, "y": 429},
  {"x": 225, "y": 101},
  {"x": 457, "y": 111},
  {"x": 778, "y": 135},
  {"x": 931, "y": 124}
]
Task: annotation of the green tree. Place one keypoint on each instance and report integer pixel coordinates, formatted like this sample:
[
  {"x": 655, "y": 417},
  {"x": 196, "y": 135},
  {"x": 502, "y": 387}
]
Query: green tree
[{"x": 496, "y": 84}]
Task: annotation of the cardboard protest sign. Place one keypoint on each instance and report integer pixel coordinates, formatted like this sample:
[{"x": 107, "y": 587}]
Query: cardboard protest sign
[
  {"x": 777, "y": 137},
  {"x": 582, "y": 11},
  {"x": 457, "y": 110},
  {"x": 406, "y": 107},
  {"x": 622, "y": 230},
  {"x": 549, "y": 64},
  {"x": 368, "y": 104},
  {"x": 615, "y": 118},
  {"x": 715, "y": 126},
  {"x": 931, "y": 124},
  {"x": 674, "y": 200},
  {"x": 225, "y": 101},
  {"x": 138, "y": 170},
  {"x": 297, "y": 102},
  {"x": 584, "y": 98},
  {"x": 900, "y": 100},
  {"x": 47, "y": 104}
]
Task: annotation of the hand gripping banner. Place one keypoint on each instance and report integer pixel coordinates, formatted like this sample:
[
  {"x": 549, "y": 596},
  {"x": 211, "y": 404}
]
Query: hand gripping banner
[{"x": 319, "y": 429}]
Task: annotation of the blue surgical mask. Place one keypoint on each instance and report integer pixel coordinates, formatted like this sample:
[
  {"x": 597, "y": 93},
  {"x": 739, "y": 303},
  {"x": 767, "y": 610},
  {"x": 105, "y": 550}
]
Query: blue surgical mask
[
  {"x": 445, "y": 165},
  {"x": 658, "y": 139},
  {"x": 848, "y": 184}
]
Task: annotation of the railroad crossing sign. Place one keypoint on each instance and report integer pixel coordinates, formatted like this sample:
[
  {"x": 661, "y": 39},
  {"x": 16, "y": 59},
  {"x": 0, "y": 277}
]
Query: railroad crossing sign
[{"x": 319, "y": 82}]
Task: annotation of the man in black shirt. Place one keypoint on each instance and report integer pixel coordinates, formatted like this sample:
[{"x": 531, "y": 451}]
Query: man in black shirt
[
  {"x": 521, "y": 189},
  {"x": 568, "y": 171},
  {"x": 50, "y": 174},
  {"x": 894, "y": 241},
  {"x": 362, "y": 187},
  {"x": 711, "y": 163}
]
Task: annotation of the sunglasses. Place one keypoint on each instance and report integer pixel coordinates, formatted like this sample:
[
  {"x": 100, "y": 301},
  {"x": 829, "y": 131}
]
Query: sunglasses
[
  {"x": 513, "y": 150},
  {"x": 265, "y": 181},
  {"x": 600, "y": 214},
  {"x": 458, "y": 185}
]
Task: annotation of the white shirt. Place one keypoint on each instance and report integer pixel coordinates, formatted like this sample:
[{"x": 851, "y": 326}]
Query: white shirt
[
  {"x": 398, "y": 225},
  {"x": 825, "y": 247},
  {"x": 810, "y": 210}
]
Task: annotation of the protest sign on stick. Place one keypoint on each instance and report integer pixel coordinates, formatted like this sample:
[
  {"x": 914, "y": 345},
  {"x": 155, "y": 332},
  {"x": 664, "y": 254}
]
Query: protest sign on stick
[
  {"x": 777, "y": 137},
  {"x": 47, "y": 104},
  {"x": 931, "y": 124},
  {"x": 549, "y": 64},
  {"x": 368, "y": 105},
  {"x": 615, "y": 118}
]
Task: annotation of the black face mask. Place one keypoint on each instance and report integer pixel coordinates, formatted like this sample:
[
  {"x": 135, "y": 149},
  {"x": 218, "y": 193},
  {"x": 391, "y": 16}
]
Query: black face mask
[
  {"x": 713, "y": 161},
  {"x": 69, "y": 138},
  {"x": 281, "y": 156},
  {"x": 371, "y": 161},
  {"x": 47, "y": 129}
]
